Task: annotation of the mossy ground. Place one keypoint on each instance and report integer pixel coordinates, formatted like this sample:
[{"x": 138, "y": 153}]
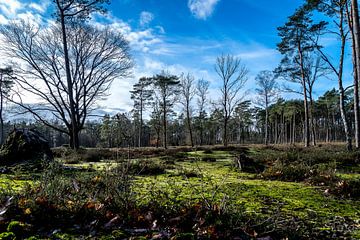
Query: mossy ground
[{"x": 221, "y": 181}]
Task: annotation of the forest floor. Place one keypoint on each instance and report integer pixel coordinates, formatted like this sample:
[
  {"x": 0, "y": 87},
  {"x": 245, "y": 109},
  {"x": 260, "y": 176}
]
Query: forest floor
[{"x": 240, "y": 192}]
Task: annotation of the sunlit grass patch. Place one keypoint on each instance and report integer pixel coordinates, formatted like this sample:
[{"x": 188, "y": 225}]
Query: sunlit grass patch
[{"x": 13, "y": 183}]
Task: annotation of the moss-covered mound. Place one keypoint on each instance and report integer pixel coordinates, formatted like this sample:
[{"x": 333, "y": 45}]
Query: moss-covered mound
[{"x": 25, "y": 146}]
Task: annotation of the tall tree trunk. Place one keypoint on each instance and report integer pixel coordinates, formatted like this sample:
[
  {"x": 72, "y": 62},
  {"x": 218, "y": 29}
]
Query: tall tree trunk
[
  {"x": 306, "y": 107},
  {"x": 189, "y": 125},
  {"x": 74, "y": 138},
  {"x": 294, "y": 129},
  {"x": 164, "y": 124},
  {"x": 141, "y": 123},
  {"x": 312, "y": 118},
  {"x": 266, "y": 125},
  {"x": 356, "y": 57},
  {"x": 341, "y": 88},
  {"x": 225, "y": 140}
]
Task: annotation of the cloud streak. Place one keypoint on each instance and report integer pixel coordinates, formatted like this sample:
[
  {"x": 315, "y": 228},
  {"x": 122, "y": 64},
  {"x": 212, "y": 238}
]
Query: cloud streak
[
  {"x": 146, "y": 18},
  {"x": 202, "y": 9}
]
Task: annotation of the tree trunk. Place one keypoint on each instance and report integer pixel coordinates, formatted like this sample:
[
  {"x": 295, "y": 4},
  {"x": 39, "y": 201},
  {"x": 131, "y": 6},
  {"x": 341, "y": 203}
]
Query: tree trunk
[
  {"x": 141, "y": 123},
  {"x": 189, "y": 125},
  {"x": 306, "y": 107},
  {"x": 164, "y": 124},
  {"x": 356, "y": 57},
  {"x": 341, "y": 88},
  {"x": 225, "y": 140},
  {"x": 294, "y": 129},
  {"x": 201, "y": 132},
  {"x": 266, "y": 125},
  {"x": 313, "y": 122},
  {"x": 75, "y": 138}
]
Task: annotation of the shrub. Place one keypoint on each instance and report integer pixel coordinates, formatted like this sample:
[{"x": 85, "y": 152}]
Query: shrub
[
  {"x": 349, "y": 188},
  {"x": 247, "y": 164},
  {"x": 300, "y": 171},
  {"x": 17, "y": 228},
  {"x": 146, "y": 167},
  {"x": 84, "y": 155},
  {"x": 208, "y": 151},
  {"x": 62, "y": 201}
]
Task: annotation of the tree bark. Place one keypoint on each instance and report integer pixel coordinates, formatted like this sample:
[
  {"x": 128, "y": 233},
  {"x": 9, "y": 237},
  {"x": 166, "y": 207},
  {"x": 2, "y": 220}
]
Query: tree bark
[
  {"x": 306, "y": 107},
  {"x": 74, "y": 139},
  {"x": 356, "y": 57},
  {"x": 164, "y": 123},
  {"x": 189, "y": 125}
]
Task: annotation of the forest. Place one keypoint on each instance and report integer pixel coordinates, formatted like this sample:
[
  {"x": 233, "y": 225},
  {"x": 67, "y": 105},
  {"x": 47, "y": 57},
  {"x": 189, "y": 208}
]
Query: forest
[{"x": 271, "y": 154}]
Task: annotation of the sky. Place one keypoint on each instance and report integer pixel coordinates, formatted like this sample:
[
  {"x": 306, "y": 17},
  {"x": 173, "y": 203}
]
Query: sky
[{"x": 183, "y": 36}]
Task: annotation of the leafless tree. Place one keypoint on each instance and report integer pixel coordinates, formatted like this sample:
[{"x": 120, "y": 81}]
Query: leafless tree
[
  {"x": 96, "y": 58},
  {"x": 188, "y": 92},
  {"x": 267, "y": 93},
  {"x": 233, "y": 75},
  {"x": 67, "y": 11},
  {"x": 202, "y": 90}
]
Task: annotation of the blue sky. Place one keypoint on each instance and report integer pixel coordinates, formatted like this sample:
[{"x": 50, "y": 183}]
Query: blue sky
[{"x": 183, "y": 35}]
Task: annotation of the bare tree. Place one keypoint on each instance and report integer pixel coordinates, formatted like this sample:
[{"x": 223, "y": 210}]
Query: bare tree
[
  {"x": 267, "y": 91},
  {"x": 97, "y": 57},
  {"x": 66, "y": 11},
  {"x": 202, "y": 90},
  {"x": 233, "y": 75},
  {"x": 188, "y": 92}
]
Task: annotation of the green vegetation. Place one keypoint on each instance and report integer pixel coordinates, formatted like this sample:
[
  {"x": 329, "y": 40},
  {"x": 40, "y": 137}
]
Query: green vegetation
[{"x": 183, "y": 197}]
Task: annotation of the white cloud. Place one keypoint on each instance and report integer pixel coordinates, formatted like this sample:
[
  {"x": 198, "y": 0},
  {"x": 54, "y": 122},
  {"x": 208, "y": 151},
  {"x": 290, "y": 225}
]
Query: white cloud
[
  {"x": 146, "y": 18},
  {"x": 30, "y": 17},
  {"x": 10, "y": 7},
  {"x": 140, "y": 40},
  {"x": 160, "y": 29},
  {"x": 202, "y": 9},
  {"x": 3, "y": 20},
  {"x": 40, "y": 7}
]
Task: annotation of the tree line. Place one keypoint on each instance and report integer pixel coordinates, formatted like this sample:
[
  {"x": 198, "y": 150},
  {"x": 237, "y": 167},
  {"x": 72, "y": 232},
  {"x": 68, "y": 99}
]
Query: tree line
[{"x": 70, "y": 64}]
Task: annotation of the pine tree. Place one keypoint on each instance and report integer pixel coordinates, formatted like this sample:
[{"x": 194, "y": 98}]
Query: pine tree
[
  {"x": 167, "y": 90},
  {"x": 298, "y": 41},
  {"x": 142, "y": 96}
]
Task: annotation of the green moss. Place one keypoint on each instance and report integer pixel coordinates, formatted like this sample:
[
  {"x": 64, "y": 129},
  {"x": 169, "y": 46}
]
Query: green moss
[
  {"x": 18, "y": 228},
  {"x": 348, "y": 176},
  {"x": 216, "y": 182},
  {"x": 7, "y": 236},
  {"x": 63, "y": 236},
  {"x": 33, "y": 238}
]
